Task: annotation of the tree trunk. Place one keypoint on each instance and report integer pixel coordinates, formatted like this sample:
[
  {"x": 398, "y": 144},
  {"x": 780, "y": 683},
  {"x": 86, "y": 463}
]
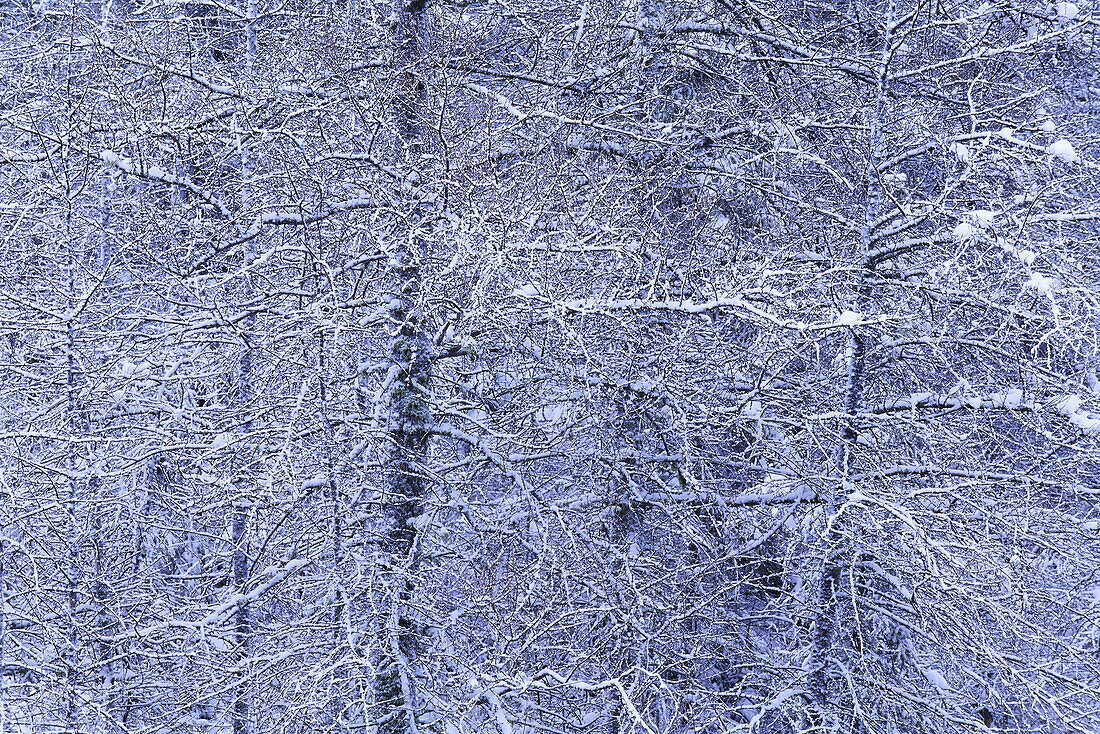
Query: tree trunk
[
  {"x": 410, "y": 411},
  {"x": 837, "y": 557},
  {"x": 243, "y": 471}
]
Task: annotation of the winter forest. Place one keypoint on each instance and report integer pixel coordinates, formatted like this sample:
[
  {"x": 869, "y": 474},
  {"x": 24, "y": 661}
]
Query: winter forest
[{"x": 549, "y": 366}]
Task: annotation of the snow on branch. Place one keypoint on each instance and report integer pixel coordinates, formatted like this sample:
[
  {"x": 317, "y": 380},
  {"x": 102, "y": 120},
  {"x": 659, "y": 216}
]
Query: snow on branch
[
  {"x": 537, "y": 112},
  {"x": 539, "y": 680},
  {"x": 222, "y": 613},
  {"x": 743, "y": 308},
  {"x": 155, "y": 173}
]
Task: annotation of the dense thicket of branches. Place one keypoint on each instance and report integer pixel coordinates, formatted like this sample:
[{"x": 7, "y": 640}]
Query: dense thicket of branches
[{"x": 543, "y": 367}]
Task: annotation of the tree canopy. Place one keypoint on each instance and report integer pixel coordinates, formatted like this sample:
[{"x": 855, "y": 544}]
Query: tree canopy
[{"x": 462, "y": 366}]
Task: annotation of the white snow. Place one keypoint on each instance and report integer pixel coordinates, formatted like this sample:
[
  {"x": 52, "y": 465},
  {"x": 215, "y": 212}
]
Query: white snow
[
  {"x": 318, "y": 481},
  {"x": 1049, "y": 126},
  {"x": 1066, "y": 11},
  {"x": 1087, "y": 422},
  {"x": 527, "y": 290},
  {"x": 983, "y": 217},
  {"x": 964, "y": 231},
  {"x": 936, "y": 678},
  {"x": 1042, "y": 283},
  {"x": 920, "y": 397},
  {"x": 1027, "y": 257},
  {"x": 552, "y": 415},
  {"x": 1068, "y": 405},
  {"x": 753, "y": 409},
  {"x": 962, "y": 153},
  {"x": 1063, "y": 149},
  {"x": 848, "y": 318}
]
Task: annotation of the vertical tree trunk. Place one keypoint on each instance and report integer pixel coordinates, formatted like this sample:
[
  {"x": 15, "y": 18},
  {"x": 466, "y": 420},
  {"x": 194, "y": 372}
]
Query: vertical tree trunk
[
  {"x": 410, "y": 412},
  {"x": 837, "y": 556},
  {"x": 106, "y": 626},
  {"x": 243, "y": 619},
  {"x": 73, "y": 539},
  {"x": 243, "y": 500},
  {"x": 339, "y": 603}
]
